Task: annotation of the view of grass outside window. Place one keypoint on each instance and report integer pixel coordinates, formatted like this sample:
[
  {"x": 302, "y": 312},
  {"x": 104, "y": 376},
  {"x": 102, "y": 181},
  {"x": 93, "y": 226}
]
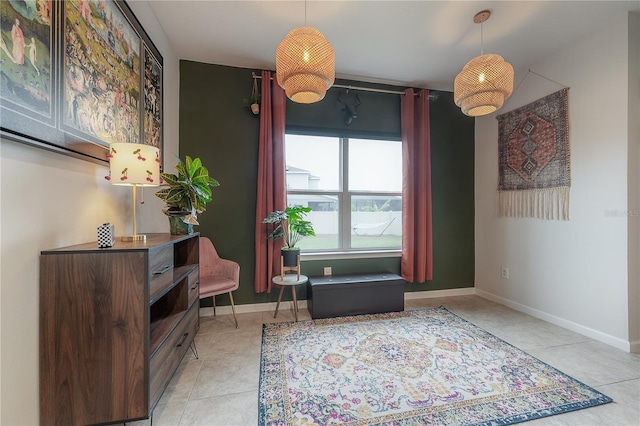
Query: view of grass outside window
[{"x": 354, "y": 188}]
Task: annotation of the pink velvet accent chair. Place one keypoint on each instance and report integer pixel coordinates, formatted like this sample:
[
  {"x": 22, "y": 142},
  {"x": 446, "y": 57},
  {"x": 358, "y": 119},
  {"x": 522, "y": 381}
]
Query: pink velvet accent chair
[{"x": 217, "y": 276}]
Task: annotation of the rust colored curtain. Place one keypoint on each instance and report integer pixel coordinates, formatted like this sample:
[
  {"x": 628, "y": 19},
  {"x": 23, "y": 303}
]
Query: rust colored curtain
[
  {"x": 417, "y": 249},
  {"x": 271, "y": 194}
]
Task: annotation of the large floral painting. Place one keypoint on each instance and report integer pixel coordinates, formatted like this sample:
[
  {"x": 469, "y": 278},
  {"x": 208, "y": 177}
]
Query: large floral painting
[
  {"x": 26, "y": 57},
  {"x": 101, "y": 94},
  {"x": 152, "y": 100},
  {"x": 77, "y": 76}
]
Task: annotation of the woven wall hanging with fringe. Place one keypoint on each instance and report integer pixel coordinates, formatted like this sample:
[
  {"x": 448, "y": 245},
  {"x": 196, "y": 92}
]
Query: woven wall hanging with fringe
[{"x": 534, "y": 160}]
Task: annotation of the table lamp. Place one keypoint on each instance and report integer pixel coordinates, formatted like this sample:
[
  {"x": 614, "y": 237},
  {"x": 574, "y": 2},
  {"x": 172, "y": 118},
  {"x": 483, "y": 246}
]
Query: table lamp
[{"x": 132, "y": 164}]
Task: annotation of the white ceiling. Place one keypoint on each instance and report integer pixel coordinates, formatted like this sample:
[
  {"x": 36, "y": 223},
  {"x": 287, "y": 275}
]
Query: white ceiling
[{"x": 415, "y": 43}]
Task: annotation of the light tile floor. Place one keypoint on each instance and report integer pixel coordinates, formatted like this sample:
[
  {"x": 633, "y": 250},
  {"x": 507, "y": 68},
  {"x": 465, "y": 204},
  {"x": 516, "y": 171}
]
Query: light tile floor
[{"x": 221, "y": 387}]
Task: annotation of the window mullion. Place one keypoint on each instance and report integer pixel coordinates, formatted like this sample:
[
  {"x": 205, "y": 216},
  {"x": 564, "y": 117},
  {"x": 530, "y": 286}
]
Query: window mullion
[{"x": 345, "y": 210}]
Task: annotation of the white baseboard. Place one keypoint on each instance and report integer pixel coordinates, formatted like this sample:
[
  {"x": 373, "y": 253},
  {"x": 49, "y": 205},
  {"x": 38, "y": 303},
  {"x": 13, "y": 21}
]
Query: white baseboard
[
  {"x": 562, "y": 322},
  {"x": 248, "y": 308},
  {"x": 439, "y": 293},
  {"x": 271, "y": 306}
]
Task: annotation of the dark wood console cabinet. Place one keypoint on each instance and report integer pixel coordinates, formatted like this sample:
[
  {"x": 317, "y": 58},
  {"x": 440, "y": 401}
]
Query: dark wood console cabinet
[{"x": 114, "y": 325}]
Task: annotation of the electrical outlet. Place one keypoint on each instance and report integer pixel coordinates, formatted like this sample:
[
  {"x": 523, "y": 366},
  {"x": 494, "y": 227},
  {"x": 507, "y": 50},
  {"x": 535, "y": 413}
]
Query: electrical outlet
[
  {"x": 327, "y": 270},
  {"x": 505, "y": 273}
]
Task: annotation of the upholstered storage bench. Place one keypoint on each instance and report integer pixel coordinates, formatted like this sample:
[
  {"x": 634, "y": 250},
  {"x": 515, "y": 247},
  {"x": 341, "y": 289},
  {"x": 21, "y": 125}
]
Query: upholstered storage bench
[{"x": 354, "y": 294}]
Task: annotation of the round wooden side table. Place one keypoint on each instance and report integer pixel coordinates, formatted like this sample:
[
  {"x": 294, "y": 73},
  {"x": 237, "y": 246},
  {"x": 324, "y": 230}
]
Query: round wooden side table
[{"x": 289, "y": 280}]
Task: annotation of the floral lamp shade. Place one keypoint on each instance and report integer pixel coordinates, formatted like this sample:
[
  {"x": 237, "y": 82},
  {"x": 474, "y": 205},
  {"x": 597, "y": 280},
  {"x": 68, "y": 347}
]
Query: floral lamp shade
[
  {"x": 305, "y": 65},
  {"x": 134, "y": 164}
]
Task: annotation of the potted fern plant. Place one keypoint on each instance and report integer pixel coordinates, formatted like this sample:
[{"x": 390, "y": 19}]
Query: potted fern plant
[
  {"x": 292, "y": 226},
  {"x": 186, "y": 194}
]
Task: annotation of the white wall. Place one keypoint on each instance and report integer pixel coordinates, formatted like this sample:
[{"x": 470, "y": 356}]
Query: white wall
[
  {"x": 634, "y": 181},
  {"x": 574, "y": 273},
  {"x": 49, "y": 200}
]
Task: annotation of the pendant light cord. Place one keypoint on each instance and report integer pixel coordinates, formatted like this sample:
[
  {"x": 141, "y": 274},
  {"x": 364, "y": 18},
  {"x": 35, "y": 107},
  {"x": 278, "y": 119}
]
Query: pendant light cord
[{"x": 481, "y": 38}]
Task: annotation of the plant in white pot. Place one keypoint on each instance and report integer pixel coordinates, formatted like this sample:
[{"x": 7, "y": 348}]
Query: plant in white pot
[
  {"x": 290, "y": 225},
  {"x": 186, "y": 194},
  {"x": 253, "y": 102}
]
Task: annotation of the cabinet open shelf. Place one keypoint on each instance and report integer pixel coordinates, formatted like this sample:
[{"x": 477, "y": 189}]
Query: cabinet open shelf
[
  {"x": 160, "y": 330},
  {"x": 166, "y": 312},
  {"x": 161, "y": 283}
]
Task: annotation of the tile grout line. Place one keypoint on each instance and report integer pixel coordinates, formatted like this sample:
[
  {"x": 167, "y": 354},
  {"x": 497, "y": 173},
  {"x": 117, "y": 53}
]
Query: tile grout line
[
  {"x": 619, "y": 381},
  {"x": 184, "y": 410},
  {"x": 224, "y": 395}
]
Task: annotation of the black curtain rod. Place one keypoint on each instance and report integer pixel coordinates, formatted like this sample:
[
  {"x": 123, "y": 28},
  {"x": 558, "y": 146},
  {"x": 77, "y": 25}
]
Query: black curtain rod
[{"x": 365, "y": 89}]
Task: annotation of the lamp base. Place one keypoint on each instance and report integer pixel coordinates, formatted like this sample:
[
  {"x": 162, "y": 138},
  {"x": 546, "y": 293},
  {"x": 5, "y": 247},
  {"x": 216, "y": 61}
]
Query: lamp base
[{"x": 136, "y": 237}]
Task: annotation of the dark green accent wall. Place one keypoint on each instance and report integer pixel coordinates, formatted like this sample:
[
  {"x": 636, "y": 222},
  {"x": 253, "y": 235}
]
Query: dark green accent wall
[
  {"x": 452, "y": 192},
  {"x": 216, "y": 127}
]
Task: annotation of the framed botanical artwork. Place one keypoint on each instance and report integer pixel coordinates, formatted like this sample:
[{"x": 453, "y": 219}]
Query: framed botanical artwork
[
  {"x": 27, "y": 63},
  {"x": 152, "y": 92},
  {"x": 100, "y": 98},
  {"x": 74, "y": 76}
]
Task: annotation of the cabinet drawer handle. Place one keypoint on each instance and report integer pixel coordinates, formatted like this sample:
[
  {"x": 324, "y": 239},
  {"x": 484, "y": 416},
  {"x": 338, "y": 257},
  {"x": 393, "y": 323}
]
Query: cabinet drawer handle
[
  {"x": 163, "y": 269},
  {"x": 184, "y": 337},
  {"x": 195, "y": 286}
]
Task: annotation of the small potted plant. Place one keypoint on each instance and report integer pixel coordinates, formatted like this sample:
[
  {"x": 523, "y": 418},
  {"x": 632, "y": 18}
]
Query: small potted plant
[
  {"x": 186, "y": 194},
  {"x": 291, "y": 225}
]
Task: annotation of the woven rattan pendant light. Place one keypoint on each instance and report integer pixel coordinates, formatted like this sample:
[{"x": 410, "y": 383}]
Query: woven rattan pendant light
[
  {"x": 485, "y": 82},
  {"x": 305, "y": 64}
]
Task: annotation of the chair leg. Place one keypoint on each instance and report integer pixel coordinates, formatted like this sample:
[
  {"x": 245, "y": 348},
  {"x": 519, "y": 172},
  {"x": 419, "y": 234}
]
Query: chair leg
[
  {"x": 233, "y": 308},
  {"x": 214, "y": 305}
]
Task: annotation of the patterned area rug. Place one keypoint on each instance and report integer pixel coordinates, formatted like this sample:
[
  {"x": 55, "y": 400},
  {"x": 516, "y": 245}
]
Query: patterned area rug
[{"x": 406, "y": 368}]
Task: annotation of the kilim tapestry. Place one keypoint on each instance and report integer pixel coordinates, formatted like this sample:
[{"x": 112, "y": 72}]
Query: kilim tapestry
[
  {"x": 534, "y": 167},
  {"x": 406, "y": 368}
]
